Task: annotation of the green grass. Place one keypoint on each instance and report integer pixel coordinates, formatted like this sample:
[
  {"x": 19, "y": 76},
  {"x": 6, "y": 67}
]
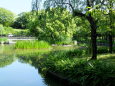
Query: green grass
[
  {"x": 31, "y": 45},
  {"x": 3, "y": 39}
]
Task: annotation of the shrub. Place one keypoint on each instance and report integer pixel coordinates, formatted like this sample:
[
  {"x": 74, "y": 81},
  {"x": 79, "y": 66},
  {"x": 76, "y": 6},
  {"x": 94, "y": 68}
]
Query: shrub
[
  {"x": 21, "y": 32},
  {"x": 102, "y": 49},
  {"x": 77, "y": 53}
]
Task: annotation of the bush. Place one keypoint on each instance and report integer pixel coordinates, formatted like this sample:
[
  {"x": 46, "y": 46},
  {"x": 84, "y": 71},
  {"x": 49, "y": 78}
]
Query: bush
[
  {"x": 102, "y": 49},
  {"x": 59, "y": 28},
  {"x": 102, "y": 41},
  {"x": 6, "y": 17},
  {"x": 21, "y": 32},
  {"x": 31, "y": 45},
  {"x": 77, "y": 53},
  {"x": 6, "y": 30}
]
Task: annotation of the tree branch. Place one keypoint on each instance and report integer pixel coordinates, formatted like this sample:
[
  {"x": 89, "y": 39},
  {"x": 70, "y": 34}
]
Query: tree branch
[
  {"x": 80, "y": 14},
  {"x": 66, "y": 4},
  {"x": 75, "y": 13}
]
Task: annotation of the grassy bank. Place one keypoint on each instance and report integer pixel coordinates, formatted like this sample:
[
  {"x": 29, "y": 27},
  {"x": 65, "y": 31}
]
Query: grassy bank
[
  {"x": 76, "y": 67},
  {"x": 31, "y": 45},
  {"x": 81, "y": 70}
]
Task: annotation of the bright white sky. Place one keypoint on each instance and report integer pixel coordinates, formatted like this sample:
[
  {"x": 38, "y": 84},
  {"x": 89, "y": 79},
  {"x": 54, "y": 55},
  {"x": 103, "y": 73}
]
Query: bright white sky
[{"x": 16, "y": 6}]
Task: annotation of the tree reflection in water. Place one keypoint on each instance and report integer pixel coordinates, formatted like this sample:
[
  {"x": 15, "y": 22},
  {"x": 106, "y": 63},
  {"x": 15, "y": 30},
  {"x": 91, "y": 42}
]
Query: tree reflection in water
[
  {"x": 6, "y": 56},
  {"x": 10, "y": 55},
  {"x": 34, "y": 60}
]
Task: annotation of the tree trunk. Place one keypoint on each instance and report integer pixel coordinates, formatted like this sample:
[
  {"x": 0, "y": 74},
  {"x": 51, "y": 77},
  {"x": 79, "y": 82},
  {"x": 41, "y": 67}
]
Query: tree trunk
[
  {"x": 93, "y": 36},
  {"x": 111, "y": 27},
  {"x": 110, "y": 43}
]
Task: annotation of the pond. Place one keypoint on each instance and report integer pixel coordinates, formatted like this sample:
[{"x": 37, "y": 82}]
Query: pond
[{"x": 17, "y": 71}]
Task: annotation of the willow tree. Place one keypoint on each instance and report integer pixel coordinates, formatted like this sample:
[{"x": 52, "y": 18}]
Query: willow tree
[{"x": 81, "y": 8}]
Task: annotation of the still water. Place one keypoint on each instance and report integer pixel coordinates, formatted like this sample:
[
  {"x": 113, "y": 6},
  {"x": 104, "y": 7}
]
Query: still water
[
  {"x": 15, "y": 71},
  {"x": 20, "y": 74}
]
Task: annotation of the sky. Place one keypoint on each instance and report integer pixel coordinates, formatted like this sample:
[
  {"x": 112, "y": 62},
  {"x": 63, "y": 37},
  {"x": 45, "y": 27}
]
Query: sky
[{"x": 16, "y": 6}]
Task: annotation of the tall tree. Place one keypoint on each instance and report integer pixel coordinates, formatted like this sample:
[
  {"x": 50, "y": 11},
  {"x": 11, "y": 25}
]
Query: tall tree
[
  {"x": 56, "y": 25},
  {"x": 81, "y": 8},
  {"x": 22, "y": 21},
  {"x": 111, "y": 4}
]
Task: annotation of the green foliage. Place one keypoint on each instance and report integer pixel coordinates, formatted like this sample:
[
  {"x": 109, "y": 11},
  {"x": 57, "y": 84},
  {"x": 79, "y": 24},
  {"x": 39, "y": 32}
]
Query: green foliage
[
  {"x": 114, "y": 49},
  {"x": 1, "y": 27},
  {"x": 3, "y": 39},
  {"x": 80, "y": 70},
  {"x": 53, "y": 25},
  {"x": 22, "y": 21},
  {"x": 102, "y": 49},
  {"x": 31, "y": 45},
  {"x": 6, "y": 17},
  {"x": 83, "y": 27},
  {"x": 8, "y": 30},
  {"x": 102, "y": 41},
  {"x": 4, "y": 31},
  {"x": 21, "y": 32},
  {"x": 5, "y": 60}
]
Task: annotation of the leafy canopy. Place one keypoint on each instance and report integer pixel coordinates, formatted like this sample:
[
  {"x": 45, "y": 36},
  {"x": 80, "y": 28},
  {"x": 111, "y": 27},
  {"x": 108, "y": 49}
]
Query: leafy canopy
[{"x": 6, "y": 17}]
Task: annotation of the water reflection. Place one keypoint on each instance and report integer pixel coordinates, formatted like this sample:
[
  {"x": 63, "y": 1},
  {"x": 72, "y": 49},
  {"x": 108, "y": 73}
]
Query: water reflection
[
  {"x": 6, "y": 57},
  {"x": 6, "y": 60},
  {"x": 19, "y": 74},
  {"x": 20, "y": 68},
  {"x": 34, "y": 60}
]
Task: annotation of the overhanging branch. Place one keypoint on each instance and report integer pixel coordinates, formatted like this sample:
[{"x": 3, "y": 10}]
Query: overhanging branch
[
  {"x": 75, "y": 13},
  {"x": 66, "y": 4}
]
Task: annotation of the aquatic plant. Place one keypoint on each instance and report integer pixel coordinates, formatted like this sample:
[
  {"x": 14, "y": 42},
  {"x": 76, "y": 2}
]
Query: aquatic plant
[{"x": 31, "y": 45}]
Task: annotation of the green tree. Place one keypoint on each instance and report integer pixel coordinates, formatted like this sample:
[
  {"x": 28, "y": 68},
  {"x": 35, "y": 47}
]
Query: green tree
[
  {"x": 78, "y": 7},
  {"x": 6, "y": 17},
  {"x": 22, "y": 21},
  {"x": 111, "y": 23},
  {"x": 54, "y": 25},
  {"x": 107, "y": 19}
]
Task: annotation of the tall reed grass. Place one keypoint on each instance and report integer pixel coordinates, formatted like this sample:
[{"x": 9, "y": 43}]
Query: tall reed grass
[{"x": 31, "y": 45}]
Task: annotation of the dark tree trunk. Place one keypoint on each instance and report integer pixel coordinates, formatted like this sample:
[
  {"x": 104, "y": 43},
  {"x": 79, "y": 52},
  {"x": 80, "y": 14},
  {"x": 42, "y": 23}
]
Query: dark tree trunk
[
  {"x": 110, "y": 43},
  {"x": 93, "y": 36},
  {"x": 111, "y": 27},
  {"x": 93, "y": 26}
]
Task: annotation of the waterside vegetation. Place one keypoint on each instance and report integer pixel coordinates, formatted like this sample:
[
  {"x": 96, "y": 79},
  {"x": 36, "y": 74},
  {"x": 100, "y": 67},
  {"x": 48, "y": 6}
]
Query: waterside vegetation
[
  {"x": 75, "y": 66},
  {"x": 32, "y": 45}
]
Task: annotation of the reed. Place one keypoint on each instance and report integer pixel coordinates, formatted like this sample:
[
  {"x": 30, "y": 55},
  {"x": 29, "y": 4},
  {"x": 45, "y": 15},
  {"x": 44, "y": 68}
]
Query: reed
[{"x": 31, "y": 45}]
